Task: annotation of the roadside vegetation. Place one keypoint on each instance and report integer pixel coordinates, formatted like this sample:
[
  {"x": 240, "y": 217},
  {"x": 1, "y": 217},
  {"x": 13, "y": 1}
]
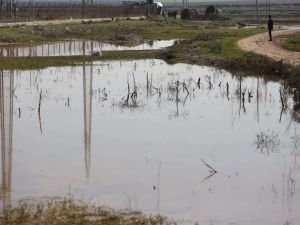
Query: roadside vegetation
[{"x": 292, "y": 43}]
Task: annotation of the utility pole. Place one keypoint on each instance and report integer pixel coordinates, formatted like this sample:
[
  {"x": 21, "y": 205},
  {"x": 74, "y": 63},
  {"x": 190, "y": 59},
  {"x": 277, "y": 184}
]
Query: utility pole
[
  {"x": 266, "y": 8},
  {"x": 257, "y": 9},
  {"x": 13, "y": 9},
  {"x": 9, "y": 4},
  {"x": 1, "y": 4},
  {"x": 70, "y": 9},
  {"x": 83, "y": 5},
  {"x": 83, "y": 9},
  {"x": 184, "y": 4}
]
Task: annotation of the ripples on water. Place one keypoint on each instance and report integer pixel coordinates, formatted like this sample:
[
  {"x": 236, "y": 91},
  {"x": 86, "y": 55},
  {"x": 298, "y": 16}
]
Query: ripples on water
[{"x": 73, "y": 129}]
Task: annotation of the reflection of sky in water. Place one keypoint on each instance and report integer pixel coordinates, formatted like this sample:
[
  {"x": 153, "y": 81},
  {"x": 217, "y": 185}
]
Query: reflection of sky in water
[
  {"x": 128, "y": 145},
  {"x": 78, "y": 47}
]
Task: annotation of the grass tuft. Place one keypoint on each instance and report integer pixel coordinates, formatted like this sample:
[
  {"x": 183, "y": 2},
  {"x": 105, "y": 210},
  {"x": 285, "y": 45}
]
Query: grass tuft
[
  {"x": 292, "y": 43},
  {"x": 67, "y": 212}
]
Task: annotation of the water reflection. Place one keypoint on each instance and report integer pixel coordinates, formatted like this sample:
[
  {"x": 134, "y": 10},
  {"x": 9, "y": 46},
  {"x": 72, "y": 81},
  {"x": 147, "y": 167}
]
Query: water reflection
[
  {"x": 6, "y": 123},
  {"x": 87, "y": 109},
  {"x": 187, "y": 122},
  {"x": 76, "y": 48}
]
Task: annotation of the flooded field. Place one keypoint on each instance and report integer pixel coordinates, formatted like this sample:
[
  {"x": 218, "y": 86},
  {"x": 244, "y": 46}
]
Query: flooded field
[
  {"x": 77, "y": 48},
  {"x": 192, "y": 143}
]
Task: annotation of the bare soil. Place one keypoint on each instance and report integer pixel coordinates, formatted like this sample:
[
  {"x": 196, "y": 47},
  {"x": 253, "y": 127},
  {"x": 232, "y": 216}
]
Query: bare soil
[{"x": 259, "y": 44}]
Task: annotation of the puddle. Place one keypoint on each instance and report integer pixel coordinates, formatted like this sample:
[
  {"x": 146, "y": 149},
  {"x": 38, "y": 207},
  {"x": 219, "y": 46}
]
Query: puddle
[
  {"x": 253, "y": 26},
  {"x": 290, "y": 27},
  {"x": 77, "y": 48},
  {"x": 197, "y": 152}
]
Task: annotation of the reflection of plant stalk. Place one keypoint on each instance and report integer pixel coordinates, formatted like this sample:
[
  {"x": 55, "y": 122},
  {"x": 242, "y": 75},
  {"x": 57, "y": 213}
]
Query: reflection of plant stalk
[
  {"x": 148, "y": 85},
  {"x": 158, "y": 188},
  {"x": 87, "y": 109},
  {"x": 39, "y": 112},
  {"x": 257, "y": 99},
  {"x": 240, "y": 93},
  {"x": 212, "y": 171},
  {"x": 227, "y": 90},
  {"x": 132, "y": 96},
  {"x": 6, "y": 125}
]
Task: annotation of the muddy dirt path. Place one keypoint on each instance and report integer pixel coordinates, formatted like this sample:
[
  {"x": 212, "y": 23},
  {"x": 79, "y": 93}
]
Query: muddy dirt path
[{"x": 259, "y": 44}]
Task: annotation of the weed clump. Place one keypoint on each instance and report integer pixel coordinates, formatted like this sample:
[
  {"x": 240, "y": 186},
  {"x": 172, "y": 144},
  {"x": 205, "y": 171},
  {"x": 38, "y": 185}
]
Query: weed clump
[
  {"x": 207, "y": 36},
  {"x": 67, "y": 211},
  {"x": 169, "y": 55},
  {"x": 267, "y": 142},
  {"x": 215, "y": 46}
]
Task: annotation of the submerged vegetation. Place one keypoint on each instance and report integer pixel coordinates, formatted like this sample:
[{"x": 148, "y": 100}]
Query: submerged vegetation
[{"x": 267, "y": 142}]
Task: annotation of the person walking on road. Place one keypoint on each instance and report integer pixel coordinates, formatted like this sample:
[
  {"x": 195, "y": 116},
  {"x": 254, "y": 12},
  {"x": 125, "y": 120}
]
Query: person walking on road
[{"x": 270, "y": 27}]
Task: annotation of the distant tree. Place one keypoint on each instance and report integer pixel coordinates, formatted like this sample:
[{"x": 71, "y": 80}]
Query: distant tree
[{"x": 210, "y": 10}]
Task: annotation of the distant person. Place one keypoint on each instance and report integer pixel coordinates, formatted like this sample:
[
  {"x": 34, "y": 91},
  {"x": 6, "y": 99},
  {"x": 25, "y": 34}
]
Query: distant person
[{"x": 270, "y": 27}]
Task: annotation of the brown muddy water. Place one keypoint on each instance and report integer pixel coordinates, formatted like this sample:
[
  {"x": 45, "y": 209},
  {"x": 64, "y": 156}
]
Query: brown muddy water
[
  {"x": 208, "y": 152},
  {"x": 77, "y": 48}
]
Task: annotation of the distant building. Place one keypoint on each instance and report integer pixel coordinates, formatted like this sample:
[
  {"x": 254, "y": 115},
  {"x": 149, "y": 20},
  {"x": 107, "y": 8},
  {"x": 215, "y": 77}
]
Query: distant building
[
  {"x": 158, "y": 7},
  {"x": 132, "y": 3},
  {"x": 154, "y": 8}
]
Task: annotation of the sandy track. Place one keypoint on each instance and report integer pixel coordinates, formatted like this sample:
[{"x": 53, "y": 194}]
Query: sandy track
[{"x": 259, "y": 44}]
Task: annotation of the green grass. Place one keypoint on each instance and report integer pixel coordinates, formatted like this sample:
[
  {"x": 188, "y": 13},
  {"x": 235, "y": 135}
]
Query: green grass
[
  {"x": 105, "y": 30},
  {"x": 227, "y": 40},
  {"x": 26, "y": 63},
  {"x": 292, "y": 43},
  {"x": 221, "y": 43}
]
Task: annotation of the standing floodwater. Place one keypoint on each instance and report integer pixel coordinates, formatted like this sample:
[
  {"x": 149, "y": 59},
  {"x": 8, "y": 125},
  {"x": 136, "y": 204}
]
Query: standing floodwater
[
  {"x": 142, "y": 135},
  {"x": 77, "y": 48}
]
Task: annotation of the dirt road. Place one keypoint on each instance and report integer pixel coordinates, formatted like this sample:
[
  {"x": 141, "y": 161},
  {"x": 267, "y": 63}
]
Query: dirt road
[
  {"x": 68, "y": 21},
  {"x": 259, "y": 44}
]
